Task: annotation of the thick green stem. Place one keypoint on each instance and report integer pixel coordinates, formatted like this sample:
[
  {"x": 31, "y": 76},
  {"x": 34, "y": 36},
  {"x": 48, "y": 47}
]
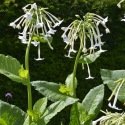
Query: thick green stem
[
  {"x": 74, "y": 70},
  {"x": 29, "y": 92}
]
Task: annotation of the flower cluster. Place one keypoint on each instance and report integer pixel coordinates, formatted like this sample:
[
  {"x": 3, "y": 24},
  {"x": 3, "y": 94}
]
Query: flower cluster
[
  {"x": 38, "y": 26},
  {"x": 119, "y": 83},
  {"x": 87, "y": 30},
  {"x": 110, "y": 119}
]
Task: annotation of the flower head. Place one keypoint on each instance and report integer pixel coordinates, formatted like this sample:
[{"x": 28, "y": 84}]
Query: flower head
[
  {"x": 87, "y": 31},
  {"x": 116, "y": 92},
  {"x": 110, "y": 119},
  {"x": 35, "y": 21}
]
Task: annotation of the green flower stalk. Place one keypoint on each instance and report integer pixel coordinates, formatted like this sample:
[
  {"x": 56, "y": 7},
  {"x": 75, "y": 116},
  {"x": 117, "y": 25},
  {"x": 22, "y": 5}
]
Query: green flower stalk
[
  {"x": 86, "y": 30},
  {"x": 38, "y": 27}
]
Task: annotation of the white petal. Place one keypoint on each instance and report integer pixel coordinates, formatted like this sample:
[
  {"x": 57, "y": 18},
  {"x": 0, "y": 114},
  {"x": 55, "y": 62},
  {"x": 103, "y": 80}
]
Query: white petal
[
  {"x": 90, "y": 77},
  {"x": 122, "y": 19},
  {"x": 12, "y": 25},
  {"x": 107, "y": 30},
  {"x": 28, "y": 16},
  {"x": 35, "y": 43},
  {"x": 34, "y": 6},
  {"x": 119, "y": 5},
  {"x": 58, "y": 23},
  {"x": 51, "y": 31},
  {"x": 39, "y": 25},
  {"x": 113, "y": 106},
  {"x": 38, "y": 59},
  {"x": 63, "y": 28}
]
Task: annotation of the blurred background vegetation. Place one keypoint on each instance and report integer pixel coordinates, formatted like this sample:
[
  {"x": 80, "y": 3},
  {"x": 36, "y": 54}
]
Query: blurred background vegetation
[{"x": 56, "y": 67}]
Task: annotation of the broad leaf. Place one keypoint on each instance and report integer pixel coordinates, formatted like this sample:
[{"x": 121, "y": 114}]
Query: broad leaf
[
  {"x": 40, "y": 106},
  {"x": 51, "y": 90},
  {"x": 51, "y": 111},
  {"x": 89, "y": 58},
  {"x": 110, "y": 76},
  {"x": 69, "y": 83},
  {"x": 55, "y": 108},
  {"x": 78, "y": 115},
  {"x": 10, "y": 114},
  {"x": 9, "y": 67},
  {"x": 93, "y": 100}
]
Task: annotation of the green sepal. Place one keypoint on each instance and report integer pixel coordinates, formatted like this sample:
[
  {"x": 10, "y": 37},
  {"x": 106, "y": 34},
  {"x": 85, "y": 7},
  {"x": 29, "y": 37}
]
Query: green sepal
[
  {"x": 42, "y": 39},
  {"x": 89, "y": 58}
]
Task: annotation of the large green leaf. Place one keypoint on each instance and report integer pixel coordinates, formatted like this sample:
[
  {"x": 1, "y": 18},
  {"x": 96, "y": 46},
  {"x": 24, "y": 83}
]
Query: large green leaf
[
  {"x": 56, "y": 107},
  {"x": 51, "y": 90},
  {"x": 110, "y": 76},
  {"x": 93, "y": 100},
  {"x": 40, "y": 106},
  {"x": 78, "y": 115},
  {"x": 38, "y": 110},
  {"x": 10, "y": 114},
  {"x": 50, "y": 111},
  {"x": 89, "y": 58},
  {"x": 9, "y": 67}
]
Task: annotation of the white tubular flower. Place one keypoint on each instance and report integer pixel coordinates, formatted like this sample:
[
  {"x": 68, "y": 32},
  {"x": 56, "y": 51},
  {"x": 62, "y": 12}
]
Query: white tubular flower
[
  {"x": 110, "y": 118},
  {"x": 87, "y": 31},
  {"x": 39, "y": 58},
  {"x": 119, "y": 4},
  {"x": 116, "y": 92},
  {"x": 103, "y": 118},
  {"x": 37, "y": 23}
]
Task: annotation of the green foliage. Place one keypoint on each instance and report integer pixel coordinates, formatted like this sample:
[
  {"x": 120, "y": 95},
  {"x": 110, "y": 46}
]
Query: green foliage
[
  {"x": 40, "y": 106},
  {"x": 9, "y": 67},
  {"x": 93, "y": 100},
  {"x": 89, "y": 58},
  {"x": 78, "y": 115},
  {"x": 10, "y": 114},
  {"x": 42, "y": 39},
  {"x": 43, "y": 114},
  {"x": 83, "y": 113},
  {"x": 51, "y": 91},
  {"x": 69, "y": 84}
]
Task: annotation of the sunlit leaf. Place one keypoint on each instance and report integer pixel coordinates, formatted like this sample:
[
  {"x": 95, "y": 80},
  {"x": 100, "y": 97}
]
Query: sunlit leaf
[
  {"x": 51, "y": 90},
  {"x": 40, "y": 106},
  {"x": 10, "y": 114},
  {"x": 55, "y": 108},
  {"x": 9, "y": 67},
  {"x": 93, "y": 100},
  {"x": 78, "y": 115}
]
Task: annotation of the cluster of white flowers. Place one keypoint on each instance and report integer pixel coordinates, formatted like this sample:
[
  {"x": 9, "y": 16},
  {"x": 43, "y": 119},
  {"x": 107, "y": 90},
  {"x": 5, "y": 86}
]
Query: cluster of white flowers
[
  {"x": 36, "y": 22},
  {"x": 115, "y": 118},
  {"x": 119, "y": 83},
  {"x": 110, "y": 119},
  {"x": 86, "y": 30}
]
